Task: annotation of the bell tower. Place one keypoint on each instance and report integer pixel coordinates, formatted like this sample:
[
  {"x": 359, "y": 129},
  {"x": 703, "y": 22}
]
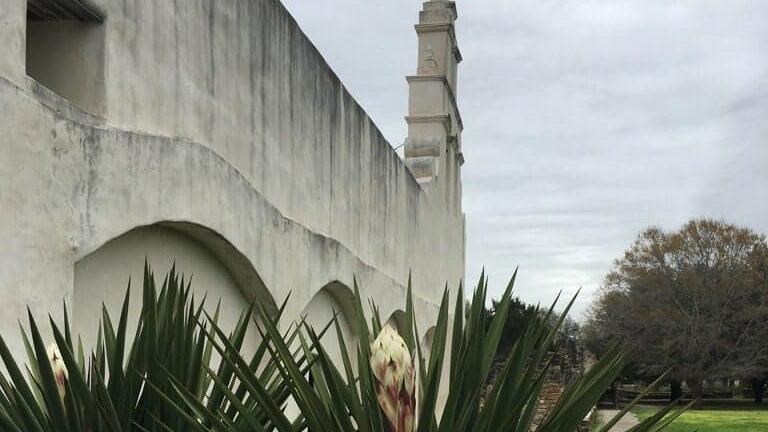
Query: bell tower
[{"x": 433, "y": 147}]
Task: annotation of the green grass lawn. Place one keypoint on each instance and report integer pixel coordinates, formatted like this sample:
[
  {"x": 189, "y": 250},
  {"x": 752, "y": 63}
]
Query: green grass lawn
[{"x": 715, "y": 420}]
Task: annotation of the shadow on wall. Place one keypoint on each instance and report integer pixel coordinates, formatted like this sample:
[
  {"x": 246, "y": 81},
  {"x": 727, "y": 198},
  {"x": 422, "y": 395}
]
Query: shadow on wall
[{"x": 217, "y": 269}]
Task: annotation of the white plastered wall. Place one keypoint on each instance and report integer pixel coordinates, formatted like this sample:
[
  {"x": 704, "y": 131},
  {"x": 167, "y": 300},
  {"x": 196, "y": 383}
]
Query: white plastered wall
[{"x": 219, "y": 114}]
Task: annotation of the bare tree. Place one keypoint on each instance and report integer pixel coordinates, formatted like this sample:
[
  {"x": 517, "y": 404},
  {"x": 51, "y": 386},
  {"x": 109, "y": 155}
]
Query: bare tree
[{"x": 695, "y": 301}]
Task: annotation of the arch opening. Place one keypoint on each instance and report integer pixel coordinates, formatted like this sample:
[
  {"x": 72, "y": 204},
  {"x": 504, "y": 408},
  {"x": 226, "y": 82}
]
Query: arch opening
[
  {"x": 218, "y": 271},
  {"x": 334, "y": 298},
  {"x": 445, "y": 373},
  {"x": 398, "y": 322}
]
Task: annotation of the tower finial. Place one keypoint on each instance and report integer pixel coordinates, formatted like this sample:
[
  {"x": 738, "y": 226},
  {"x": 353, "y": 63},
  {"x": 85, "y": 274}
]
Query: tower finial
[{"x": 433, "y": 148}]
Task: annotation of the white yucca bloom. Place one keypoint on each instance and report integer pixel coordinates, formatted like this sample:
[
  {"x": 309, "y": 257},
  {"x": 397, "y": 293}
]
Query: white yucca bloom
[
  {"x": 60, "y": 372},
  {"x": 392, "y": 366}
]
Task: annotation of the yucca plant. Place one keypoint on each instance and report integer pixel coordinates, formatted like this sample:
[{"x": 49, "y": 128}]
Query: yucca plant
[
  {"x": 123, "y": 386},
  {"x": 164, "y": 380},
  {"x": 378, "y": 395}
]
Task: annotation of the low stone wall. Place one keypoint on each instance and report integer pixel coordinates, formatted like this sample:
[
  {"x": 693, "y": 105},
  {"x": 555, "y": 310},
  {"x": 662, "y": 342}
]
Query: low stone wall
[{"x": 567, "y": 362}]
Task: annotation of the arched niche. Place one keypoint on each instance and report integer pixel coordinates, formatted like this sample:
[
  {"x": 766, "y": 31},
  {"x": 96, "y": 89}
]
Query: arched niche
[
  {"x": 218, "y": 271},
  {"x": 334, "y": 298},
  {"x": 398, "y": 322}
]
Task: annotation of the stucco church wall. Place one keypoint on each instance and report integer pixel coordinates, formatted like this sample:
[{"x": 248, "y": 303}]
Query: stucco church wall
[
  {"x": 240, "y": 76},
  {"x": 220, "y": 114}
]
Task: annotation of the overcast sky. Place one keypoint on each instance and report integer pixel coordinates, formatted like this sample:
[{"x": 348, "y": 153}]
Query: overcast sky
[{"x": 585, "y": 120}]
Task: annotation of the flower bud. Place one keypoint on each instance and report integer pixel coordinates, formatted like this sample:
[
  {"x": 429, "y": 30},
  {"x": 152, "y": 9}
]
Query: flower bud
[
  {"x": 60, "y": 372},
  {"x": 392, "y": 367}
]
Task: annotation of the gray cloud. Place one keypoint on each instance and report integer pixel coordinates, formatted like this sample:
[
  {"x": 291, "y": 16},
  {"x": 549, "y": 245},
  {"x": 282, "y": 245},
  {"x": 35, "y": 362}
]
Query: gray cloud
[{"x": 586, "y": 120}]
